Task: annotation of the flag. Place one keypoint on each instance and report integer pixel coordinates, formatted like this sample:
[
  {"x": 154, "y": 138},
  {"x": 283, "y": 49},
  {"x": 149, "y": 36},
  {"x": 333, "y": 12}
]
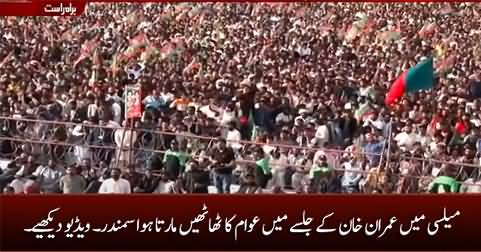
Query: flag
[
  {"x": 134, "y": 49},
  {"x": 476, "y": 13},
  {"x": 192, "y": 66},
  {"x": 419, "y": 77},
  {"x": 86, "y": 50},
  {"x": 128, "y": 54},
  {"x": 301, "y": 12},
  {"x": 352, "y": 33},
  {"x": 150, "y": 52},
  {"x": 446, "y": 65},
  {"x": 362, "y": 112},
  {"x": 446, "y": 10},
  {"x": 370, "y": 24},
  {"x": 139, "y": 40},
  {"x": 67, "y": 35},
  {"x": 134, "y": 18},
  {"x": 252, "y": 126},
  {"x": 431, "y": 129},
  {"x": 363, "y": 24},
  {"x": 459, "y": 131},
  {"x": 427, "y": 29},
  {"x": 133, "y": 101},
  {"x": 173, "y": 48},
  {"x": 167, "y": 50},
  {"x": 182, "y": 7},
  {"x": 263, "y": 165},
  {"x": 392, "y": 34}
]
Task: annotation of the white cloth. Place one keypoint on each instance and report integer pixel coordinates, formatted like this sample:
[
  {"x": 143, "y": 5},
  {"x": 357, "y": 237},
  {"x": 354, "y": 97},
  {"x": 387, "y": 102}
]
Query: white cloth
[
  {"x": 352, "y": 174},
  {"x": 92, "y": 110},
  {"x": 117, "y": 111},
  {"x": 318, "y": 155},
  {"x": 208, "y": 112},
  {"x": 81, "y": 153},
  {"x": 322, "y": 135},
  {"x": 48, "y": 177},
  {"x": 406, "y": 140},
  {"x": 125, "y": 144},
  {"x": 112, "y": 186},
  {"x": 268, "y": 149},
  {"x": 167, "y": 97},
  {"x": 19, "y": 184},
  {"x": 378, "y": 124},
  {"x": 227, "y": 117},
  {"x": 279, "y": 166},
  {"x": 233, "y": 137},
  {"x": 283, "y": 118},
  {"x": 471, "y": 186},
  {"x": 165, "y": 187}
]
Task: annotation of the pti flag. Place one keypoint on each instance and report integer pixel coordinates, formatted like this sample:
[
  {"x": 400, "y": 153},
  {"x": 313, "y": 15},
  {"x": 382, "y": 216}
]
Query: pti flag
[
  {"x": 86, "y": 50},
  {"x": 419, "y": 77},
  {"x": 133, "y": 101}
]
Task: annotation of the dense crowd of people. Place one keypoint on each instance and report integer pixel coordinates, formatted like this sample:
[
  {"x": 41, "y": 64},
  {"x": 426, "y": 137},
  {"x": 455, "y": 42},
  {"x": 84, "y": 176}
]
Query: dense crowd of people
[{"x": 270, "y": 97}]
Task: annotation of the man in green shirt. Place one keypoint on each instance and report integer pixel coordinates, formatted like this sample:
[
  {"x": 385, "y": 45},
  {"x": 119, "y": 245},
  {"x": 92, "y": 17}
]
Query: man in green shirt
[
  {"x": 320, "y": 175},
  {"x": 263, "y": 169},
  {"x": 174, "y": 160},
  {"x": 444, "y": 184}
]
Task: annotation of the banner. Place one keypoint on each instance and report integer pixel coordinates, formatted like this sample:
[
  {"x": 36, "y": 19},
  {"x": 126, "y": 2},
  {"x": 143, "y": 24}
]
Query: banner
[
  {"x": 241, "y": 222},
  {"x": 133, "y": 101}
]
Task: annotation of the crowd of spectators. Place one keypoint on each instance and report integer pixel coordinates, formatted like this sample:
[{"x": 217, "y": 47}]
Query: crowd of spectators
[{"x": 271, "y": 97}]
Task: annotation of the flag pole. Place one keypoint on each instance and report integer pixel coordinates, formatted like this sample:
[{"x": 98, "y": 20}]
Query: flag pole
[
  {"x": 388, "y": 155},
  {"x": 131, "y": 151},
  {"x": 121, "y": 144}
]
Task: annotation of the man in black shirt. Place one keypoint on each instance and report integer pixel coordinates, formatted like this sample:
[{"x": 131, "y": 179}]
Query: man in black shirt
[
  {"x": 197, "y": 179},
  {"x": 222, "y": 159}
]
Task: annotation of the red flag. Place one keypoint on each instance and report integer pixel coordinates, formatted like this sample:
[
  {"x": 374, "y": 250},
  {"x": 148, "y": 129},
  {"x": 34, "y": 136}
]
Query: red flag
[
  {"x": 86, "y": 50},
  {"x": 427, "y": 30},
  {"x": 139, "y": 40},
  {"x": 301, "y": 12},
  {"x": 135, "y": 17},
  {"x": 368, "y": 27},
  {"x": 446, "y": 10},
  {"x": 446, "y": 64},
  {"x": 134, "y": 48},
  {"x": 192, "y": 66},
  {"x": 431, "y": 129},
  {"x": 396, "y": 91},
  {"x": 167, "y": 49}
]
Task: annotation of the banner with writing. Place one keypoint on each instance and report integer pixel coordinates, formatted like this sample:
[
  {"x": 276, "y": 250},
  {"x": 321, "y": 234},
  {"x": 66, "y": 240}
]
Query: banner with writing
[{"x": 133, "y": 101}]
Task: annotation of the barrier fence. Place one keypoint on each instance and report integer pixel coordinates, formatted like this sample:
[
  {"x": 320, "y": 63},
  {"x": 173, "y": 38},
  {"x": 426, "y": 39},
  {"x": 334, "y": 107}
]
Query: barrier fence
[{"x": 38, "y": 136}]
